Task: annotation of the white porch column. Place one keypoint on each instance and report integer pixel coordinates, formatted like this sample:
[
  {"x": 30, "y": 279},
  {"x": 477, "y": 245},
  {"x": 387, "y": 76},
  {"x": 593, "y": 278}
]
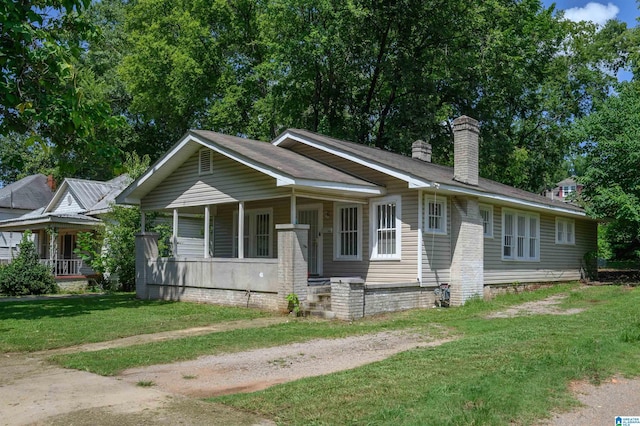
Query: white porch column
[
  {"x": 294, "y": 210},
  {"x": 143, "y": 221},
  {"x": 207, "y": 230},
  {"x": 174, "y": 235},
  {"x": 241, "y": 230}
]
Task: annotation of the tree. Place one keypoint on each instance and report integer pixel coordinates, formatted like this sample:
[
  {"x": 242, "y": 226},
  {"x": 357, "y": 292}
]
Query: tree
[
  {"x": 25, "y": 274},
  {"x": 46, "y": 95},
  {"x": 377, "y": 73},
  {"x": 611, "y": 191}
]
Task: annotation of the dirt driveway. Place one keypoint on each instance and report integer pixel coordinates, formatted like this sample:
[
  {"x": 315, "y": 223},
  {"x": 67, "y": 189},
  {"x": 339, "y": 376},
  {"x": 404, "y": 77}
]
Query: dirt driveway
[{"x": 34, "y": 392}]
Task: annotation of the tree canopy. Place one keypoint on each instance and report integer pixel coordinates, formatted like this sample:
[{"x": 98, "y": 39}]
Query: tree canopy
[{"x": 84, "y": 83}]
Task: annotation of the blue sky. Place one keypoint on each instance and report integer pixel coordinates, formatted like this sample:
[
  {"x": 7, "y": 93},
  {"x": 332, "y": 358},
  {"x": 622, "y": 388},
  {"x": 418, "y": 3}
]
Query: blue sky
[{"x": 597, "y": 10}]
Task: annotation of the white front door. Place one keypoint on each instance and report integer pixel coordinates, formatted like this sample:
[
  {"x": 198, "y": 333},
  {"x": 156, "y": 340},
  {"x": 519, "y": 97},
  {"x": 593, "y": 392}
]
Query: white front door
[{"x": 312, "y": 215}]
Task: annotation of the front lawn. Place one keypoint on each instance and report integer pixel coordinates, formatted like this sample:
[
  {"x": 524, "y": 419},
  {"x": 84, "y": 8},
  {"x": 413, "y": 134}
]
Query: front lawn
[
  {"x": 33, "y": 325},
  {"x": 504, "y": 371}
]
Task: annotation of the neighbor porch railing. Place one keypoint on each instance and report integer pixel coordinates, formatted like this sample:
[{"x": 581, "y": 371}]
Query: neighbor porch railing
[{"x": 64, "y": 267}]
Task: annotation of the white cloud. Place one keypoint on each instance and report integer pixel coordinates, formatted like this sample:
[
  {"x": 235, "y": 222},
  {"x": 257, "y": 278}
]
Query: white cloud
[{"x": 597, "y": 13}]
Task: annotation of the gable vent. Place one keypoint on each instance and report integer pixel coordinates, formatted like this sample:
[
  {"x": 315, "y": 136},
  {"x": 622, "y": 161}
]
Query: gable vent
[{"x": 205, "y": 163}]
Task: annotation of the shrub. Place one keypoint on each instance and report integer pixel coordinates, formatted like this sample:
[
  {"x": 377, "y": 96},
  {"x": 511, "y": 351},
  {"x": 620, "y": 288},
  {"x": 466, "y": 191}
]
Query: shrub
[{"x": 25, "y": 274}]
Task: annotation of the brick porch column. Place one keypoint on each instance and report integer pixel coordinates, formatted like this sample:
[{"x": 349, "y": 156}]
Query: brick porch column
[
  {"x": 293, "y": 249},
  {"x": 146, "y": 248},
  {"x": 467, "y": 261}
]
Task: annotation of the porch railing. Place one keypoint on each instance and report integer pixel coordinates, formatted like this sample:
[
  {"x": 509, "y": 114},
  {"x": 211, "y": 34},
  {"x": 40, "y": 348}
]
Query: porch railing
[{"x": 64, "y": 267}]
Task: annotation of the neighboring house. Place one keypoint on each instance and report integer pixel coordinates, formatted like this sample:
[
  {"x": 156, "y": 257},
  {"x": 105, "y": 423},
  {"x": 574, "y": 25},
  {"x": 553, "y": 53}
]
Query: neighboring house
[
  {"x": 564, "y": 190},
  {"x": 76, "y": 206},
  {"x": 17, "y": 199},
  {"x": 384, "y": 229}
]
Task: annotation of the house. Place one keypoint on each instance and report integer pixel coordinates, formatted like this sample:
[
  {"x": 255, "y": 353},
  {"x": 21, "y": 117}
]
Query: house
[
  {"x": 374, "y": 230},
  {"x": 76, "y": 206},
  {"x": 564, "y": 190},
  {"x": 17, "y": 199}
]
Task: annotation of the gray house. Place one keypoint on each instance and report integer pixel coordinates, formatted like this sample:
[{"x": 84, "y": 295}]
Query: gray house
[
  {"x": 374, "y": 230},
  {"x": 17, "y": 199},
  {"x": 77, "y": 206}
]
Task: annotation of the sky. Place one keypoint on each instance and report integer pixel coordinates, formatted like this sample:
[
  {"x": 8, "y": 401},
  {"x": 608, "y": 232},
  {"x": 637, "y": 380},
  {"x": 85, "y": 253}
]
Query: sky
[{"x": 598, "y": 11}]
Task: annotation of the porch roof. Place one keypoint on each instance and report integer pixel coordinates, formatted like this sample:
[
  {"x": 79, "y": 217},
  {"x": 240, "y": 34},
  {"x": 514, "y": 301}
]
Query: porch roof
[
  {"x": 40, "y": 220},
  {"x": 288, "y": 168}
]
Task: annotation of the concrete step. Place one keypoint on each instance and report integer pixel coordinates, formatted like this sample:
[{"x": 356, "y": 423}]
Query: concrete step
[
  {"x": 318, "y": 297},
  {"x": 319, "y": 314}
]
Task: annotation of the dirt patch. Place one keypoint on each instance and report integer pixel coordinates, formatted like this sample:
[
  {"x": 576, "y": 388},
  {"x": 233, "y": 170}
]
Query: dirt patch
[
  {"x": 261, "y": 368},
  {"x": 601, "y": 404},
  {"x": 548, "y": 306}
]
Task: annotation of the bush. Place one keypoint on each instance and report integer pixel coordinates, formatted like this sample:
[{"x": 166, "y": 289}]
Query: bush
[{"x": 25, "y": 274}]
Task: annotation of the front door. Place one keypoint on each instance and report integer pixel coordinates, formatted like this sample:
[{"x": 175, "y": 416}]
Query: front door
[{"x": 312, "y": 215}]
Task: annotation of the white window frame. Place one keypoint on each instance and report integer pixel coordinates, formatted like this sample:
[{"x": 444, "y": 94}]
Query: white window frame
[
  {"x": 250, "y": 243},
  {"x": 202, "y": 161},
  {"x": 337, "y": 233},
  {"x": 563, "y": 236},
  {"x": 487, "y": 231},
  {"x": 521, "y": 239},
  {"x": 396, "y": 200},
  {"x": 435, "y": 199}
]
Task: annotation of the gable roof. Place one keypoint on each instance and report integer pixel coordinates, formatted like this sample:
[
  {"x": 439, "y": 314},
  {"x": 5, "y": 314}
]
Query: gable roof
[
  {"x": 287, "y": 167},
  {"x": 28, "y": 193},
  {"x": 420, "y": 174},
  {"x": 91, "y": 195},
  {"x": 94, "y": 197}
]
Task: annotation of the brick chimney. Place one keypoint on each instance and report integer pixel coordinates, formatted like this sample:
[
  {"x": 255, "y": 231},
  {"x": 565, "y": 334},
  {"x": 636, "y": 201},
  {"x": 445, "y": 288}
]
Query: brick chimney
[
  {"x": 421, "y": 150},
  {"x": 466, "y": 132},
  {"x": 51, "y": 182}
]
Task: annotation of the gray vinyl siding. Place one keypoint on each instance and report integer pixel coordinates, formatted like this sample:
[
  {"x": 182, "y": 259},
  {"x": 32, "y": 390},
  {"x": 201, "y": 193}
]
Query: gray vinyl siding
[
  {"x": 229, "y": 182},
  {"x": 436, "y": 252},
  {"x": 436, "y": 249},
  {"x": 558, "y": 262},
  {"x": 67, "y": 204},
  {"x": 223, "y": 224}
]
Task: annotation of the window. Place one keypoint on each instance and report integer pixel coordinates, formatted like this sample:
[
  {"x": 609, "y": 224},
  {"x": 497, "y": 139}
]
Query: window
[
  {"x": 258, "y": 233},
  {"x": 435, "y": 211},
  {"x": 566, "y": 190},
  {"x": 486, "y": 213},
  {"x": 205, "y": 161},
  {"x": 348, "y": 232},
  {"x": 520, "y": 236},
  {"x": 385, "y": 228},
  {"x": 565, "y": 231}
]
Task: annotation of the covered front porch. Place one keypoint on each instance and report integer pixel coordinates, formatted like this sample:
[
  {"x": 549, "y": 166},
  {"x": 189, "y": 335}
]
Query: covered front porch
[{"x": 55, "y": 242}]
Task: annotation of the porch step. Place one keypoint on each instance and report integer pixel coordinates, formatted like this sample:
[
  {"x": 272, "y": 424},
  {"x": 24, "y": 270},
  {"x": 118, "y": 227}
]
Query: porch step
[{"x": 318, "y": 304}]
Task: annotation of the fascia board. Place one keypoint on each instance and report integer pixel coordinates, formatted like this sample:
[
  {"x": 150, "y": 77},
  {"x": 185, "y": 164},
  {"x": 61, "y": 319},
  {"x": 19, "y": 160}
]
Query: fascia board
[
  {"x": 334, "y": 186},
  {"x": 411, "y": 180},
  {"x": 510, "y": 200}
]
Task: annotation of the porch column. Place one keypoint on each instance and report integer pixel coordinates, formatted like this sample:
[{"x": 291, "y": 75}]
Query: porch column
[
  {"x": 293, "y": 243},
  {"x": 146, "y": 249},
  {"x": 241, "y": 230},
  {"x": 143, "y": 221},
  {"x": 467, "y": 264},
  {"x": 207, "y": 230},
  {"x": 174, "y": 235},
  {"x": 294, "y": 210}
]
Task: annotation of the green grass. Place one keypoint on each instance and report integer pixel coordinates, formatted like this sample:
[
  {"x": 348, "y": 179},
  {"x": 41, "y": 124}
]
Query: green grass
[
  {"x": 504, "y": 371},
  {"x": 32, "y": 325},
  {"x": 501, "y": 371},
  {"x": 112, "y": 361}
]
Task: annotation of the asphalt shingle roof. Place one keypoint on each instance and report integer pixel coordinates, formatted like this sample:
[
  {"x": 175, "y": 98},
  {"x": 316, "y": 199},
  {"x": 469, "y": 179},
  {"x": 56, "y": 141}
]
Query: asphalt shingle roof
[{"x": 28, "y": 193}]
